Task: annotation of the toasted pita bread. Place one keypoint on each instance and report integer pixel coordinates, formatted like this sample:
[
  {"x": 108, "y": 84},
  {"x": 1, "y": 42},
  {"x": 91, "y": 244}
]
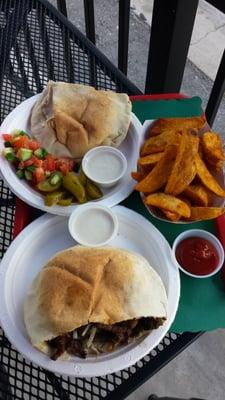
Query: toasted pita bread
[
  {"x": 70, "y": 119},
  {"x": 84, "y": 285}
]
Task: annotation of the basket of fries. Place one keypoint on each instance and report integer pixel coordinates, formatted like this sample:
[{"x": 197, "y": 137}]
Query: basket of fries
[{"x": 180, "y": 170}]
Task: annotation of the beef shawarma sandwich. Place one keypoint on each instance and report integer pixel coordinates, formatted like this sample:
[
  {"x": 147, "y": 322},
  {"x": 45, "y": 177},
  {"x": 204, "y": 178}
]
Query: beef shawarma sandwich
[
  {"x": 69, "y": 119},
  {"x": 93, "y": 300}
]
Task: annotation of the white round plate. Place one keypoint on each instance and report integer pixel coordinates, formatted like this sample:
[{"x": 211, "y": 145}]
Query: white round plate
[
  {"x": 19, "y": 118},
  {"x": 42, "y": 239}
]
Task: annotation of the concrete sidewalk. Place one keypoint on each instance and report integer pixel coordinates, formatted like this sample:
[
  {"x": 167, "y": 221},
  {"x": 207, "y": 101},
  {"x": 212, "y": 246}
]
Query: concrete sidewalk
[
  {"x": 205, "y": 52},
  {"x": 208, "y": 38},
  {"x": 197, "y": 372}
]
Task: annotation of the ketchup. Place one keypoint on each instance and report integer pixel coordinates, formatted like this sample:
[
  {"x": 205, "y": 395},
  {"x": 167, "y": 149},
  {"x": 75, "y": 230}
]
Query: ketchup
[{"x": 197, "y": 256}]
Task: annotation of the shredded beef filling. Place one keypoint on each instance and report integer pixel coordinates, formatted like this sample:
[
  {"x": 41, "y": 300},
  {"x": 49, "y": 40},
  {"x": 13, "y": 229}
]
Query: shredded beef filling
[
  {"x": 65, "y": 342},
  {"x": 97, "y": 338}
]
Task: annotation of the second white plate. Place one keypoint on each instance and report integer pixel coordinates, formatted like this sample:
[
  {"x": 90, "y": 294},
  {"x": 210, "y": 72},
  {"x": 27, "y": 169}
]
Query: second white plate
[{"x": 47, "y": 235}]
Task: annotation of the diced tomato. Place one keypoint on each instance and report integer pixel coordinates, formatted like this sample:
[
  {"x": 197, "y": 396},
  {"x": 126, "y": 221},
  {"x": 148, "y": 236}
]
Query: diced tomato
[
  {"x": 21, "y": 141},
  {"x": 7, "y": 137},
  {"x": 37, "y": 162},
  {"x": 33, "y": 161},
  {"x": 28, "y": 163},
  {"x": 49, "y": 163},
  {"x": 38, "y": 175},
  {"x": 63, "y": 167},
  {"x": 33, "y": 145}
]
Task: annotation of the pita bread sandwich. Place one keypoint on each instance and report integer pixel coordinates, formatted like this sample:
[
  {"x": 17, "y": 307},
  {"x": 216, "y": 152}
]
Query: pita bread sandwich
[
  {"x": 93, "y": 300},
  {"x": 70, "y": 119}
]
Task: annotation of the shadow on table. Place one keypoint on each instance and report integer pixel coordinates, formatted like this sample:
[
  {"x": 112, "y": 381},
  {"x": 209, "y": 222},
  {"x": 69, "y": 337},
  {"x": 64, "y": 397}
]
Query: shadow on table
[
  {"x": 5, "y": 387},
  {"x": 154, "y": 397}
]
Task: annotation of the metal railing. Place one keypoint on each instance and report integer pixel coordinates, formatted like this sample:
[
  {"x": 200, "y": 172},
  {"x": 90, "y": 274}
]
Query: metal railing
[{"x": 171, "y": 31}]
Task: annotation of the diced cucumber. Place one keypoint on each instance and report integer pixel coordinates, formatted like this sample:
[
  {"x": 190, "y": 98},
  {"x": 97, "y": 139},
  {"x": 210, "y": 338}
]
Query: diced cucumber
[
  {"x": 28, "y": 175},
  {"x": 24, "y": 154},
  {"x": 19, "y": 132},
  {"x": 40, "y": 153},
  {"x": 55, "y": 178},
  {"x": 31, "y": 168},
  {"x": 20, "y": 173},
  {"x": 9, "y": 154}
]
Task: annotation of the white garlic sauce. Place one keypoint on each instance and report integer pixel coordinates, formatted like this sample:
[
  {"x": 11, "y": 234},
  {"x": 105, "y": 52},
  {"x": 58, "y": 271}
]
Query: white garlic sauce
[
  {"x": 94, "y": 226},
  {"x": 105, "y": 167}
]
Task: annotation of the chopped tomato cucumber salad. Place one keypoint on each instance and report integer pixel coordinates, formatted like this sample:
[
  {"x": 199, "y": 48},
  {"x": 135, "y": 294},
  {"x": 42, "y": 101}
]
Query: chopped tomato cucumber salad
[
  {"x": 53, "y": 177},
  {"x": 32, "y": 162}
]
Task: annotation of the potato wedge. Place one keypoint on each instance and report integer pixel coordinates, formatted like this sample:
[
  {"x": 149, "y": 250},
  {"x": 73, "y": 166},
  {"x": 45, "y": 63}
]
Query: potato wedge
[
  {"x": 198, "y": 194},
  {"x": 176, "y": 124},
  {"x": 158, "y": 143},
  {"x": 150, "y": 160},
  {"x": 168, "y": 202},
  {"x": 214, "y": 165},
  {"x": 171, "y": 215},
  {"x": 160, "y": 173},
  {"x": 187, "y": 186},
  {"x": 184, "y": 169},
  {"x": 138, "y": 176},
  {"x": 207, "y": 178},
  {"x": 212, "y": 147},
  {"x": 203, "y": 213},
  {"x": 184, "y": 199}
]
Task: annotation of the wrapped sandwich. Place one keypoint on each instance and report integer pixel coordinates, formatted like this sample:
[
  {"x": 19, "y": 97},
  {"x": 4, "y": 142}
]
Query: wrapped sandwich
[
  {"x": 70, "y": 119},
  {"x": 93, "y": 300}
]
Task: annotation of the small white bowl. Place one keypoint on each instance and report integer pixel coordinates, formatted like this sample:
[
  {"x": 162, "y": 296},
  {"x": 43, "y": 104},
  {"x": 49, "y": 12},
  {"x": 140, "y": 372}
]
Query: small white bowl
[
  {"x": 104, "y": 165},
  {"x": 205, "y": 235},
  {"x": 93, "y": 225}
]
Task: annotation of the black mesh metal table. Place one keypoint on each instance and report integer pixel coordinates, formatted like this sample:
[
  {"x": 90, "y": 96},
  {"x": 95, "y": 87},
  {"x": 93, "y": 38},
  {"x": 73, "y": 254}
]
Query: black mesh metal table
[{"x": 38, "y": 44}]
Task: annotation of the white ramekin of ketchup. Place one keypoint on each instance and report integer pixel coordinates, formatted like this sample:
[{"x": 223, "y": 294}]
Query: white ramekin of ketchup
[{"x": 198, "y": 253}]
